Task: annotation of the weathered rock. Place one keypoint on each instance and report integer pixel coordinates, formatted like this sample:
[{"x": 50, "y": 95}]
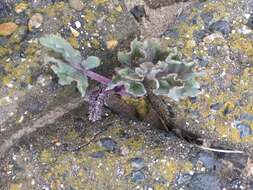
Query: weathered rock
[
  {"x": 24, "y": 74},
  {"x": 226, "y": 88},
  {"x": 161, "y": 3}
]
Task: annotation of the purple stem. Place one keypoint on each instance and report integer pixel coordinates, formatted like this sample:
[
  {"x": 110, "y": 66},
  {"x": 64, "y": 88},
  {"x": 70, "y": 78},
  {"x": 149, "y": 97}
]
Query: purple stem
[
  {"x": 93, "y": 75},
  {"x": 101, "y": 79},
  {"x": 97, "y": 77}
]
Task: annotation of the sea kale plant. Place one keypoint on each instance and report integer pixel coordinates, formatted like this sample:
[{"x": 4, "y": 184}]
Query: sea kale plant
[{"x": 146, "y": 62}]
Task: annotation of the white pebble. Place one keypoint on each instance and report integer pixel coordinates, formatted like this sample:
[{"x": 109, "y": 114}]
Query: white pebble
[
  {"x": 78, "y": 24},
  {"x": 247, "y": 15}
]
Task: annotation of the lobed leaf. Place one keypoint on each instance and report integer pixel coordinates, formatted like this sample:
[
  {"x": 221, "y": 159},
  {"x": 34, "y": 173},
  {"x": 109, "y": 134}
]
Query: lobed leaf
[
  {"x": 132, "y": 87},
  {"x": 67, "y": 74},
  {"x": 91, "y": 62},
  {"x": 60, "y": 45},
  {"x": 127, "y": 57}
]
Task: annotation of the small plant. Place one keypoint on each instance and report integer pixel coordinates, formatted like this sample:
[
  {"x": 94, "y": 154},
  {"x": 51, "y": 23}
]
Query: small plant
[{"x": 146, "y": 62}]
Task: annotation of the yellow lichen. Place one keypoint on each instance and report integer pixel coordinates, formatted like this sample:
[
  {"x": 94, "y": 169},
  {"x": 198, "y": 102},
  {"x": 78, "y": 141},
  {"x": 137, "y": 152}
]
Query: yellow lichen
[
  {"x": 46, "y": 156},
  {"x": 139, "y": 104},
  {"x": 100, "y": 2},
  {"x": 89, "y": 16},
  {"x": 21, "y": 7},
  {"x": 95, "y": 43},
  {"x": 16, "y": 187},
  {"x": 74, "y": 42},
  {"x": 170, "y": 169},
  {"x": 241, "y": 43}
]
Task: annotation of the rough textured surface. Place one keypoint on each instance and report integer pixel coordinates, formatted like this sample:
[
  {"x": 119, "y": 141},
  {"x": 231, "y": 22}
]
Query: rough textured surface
[
  {"x": 118, "y": 154},
  {"x": 157, "y": 20},
  {"x": 216, "y": 36},
  {"x": 161, "y": 3}
]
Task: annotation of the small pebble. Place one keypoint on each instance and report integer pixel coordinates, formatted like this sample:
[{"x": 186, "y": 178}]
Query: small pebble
[
  {"x": 35, "y": 21},
  {"x": 221, "y": 26},
  {"x": 250, "y": 22},
  {"x": 3, "y": 41},
  {"x": 108, "y": 143},
  {"x": 216, "y": 106},
  {"x": 137, "y": 176},
  {"x": 7, "y": 28},
  {"x": 78, "y": 24},
  {"x": 74, "y": 32},
  {"x": 244, "y": 130},
  {"x": 111, "y": 44},
  {"x": 76, "y": 4},
  {"x": 98, "y": 154},
  {"x": 138, "y": 12},
  {"x": 137, "y": 163}
]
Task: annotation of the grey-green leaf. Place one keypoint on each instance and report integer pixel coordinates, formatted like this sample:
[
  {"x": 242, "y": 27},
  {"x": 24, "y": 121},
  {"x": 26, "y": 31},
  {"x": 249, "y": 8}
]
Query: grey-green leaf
[
  {"x": 127, "y": 57},
  {"x": 132, "y": 87},
  {"x": 91, "y": 62},
  {"x": 68, "y": 74},
  {"x": 127, "y": 73},
  {"x": 60, "y": 45}
]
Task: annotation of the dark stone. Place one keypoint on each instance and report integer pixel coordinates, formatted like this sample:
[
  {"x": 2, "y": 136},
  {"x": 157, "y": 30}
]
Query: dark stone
[
  {"x": 193, "y": 100},
  {"x": 213, "y": 51},
  {"x": 246, "y": 116},
  {"x": 138, "y": 12},
  {"x": 238, "y": 160},
  {"x": 137, "y": 176},
  {"x": 172, "y": 33},
  {"x": 3, "y": 41},
  {"x": 137, "y": 163},
  {"x": 250, "y": 22},
  {"x": 108, "y": 143},
  {"x": 221, "y": 26},
  {"x": 182, "y": 18},
  {"x": 32, "y": 105},
  {"x": 244, "y": 129},
  {"x": 79, "y": 125},
  {"x": 183, "y": 179},
  {"x": 22, "y": 19},
  {"x": 198, "y": 36},
  {"x": 5, "y": 9},
  {"x": 204, "y": 182},
  {"x": 216, "y": 106},
  {"x": 194, "y": 21},
  {"x": 207, "y": 159},
  {"x": 203, "y": 62},
  {"x": 207, "y": 18},
  {"x": 154, "y": 4},
  {"x": 2, "y": 71},
  {"x": 98, "y": 154}
]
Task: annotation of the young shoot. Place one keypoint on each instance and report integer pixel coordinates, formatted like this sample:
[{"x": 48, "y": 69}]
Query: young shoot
[{"x": 146, "y": 61}]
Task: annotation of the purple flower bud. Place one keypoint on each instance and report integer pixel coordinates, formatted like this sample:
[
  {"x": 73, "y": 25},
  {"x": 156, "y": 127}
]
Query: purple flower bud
[{"x": 96, "y": 102}]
